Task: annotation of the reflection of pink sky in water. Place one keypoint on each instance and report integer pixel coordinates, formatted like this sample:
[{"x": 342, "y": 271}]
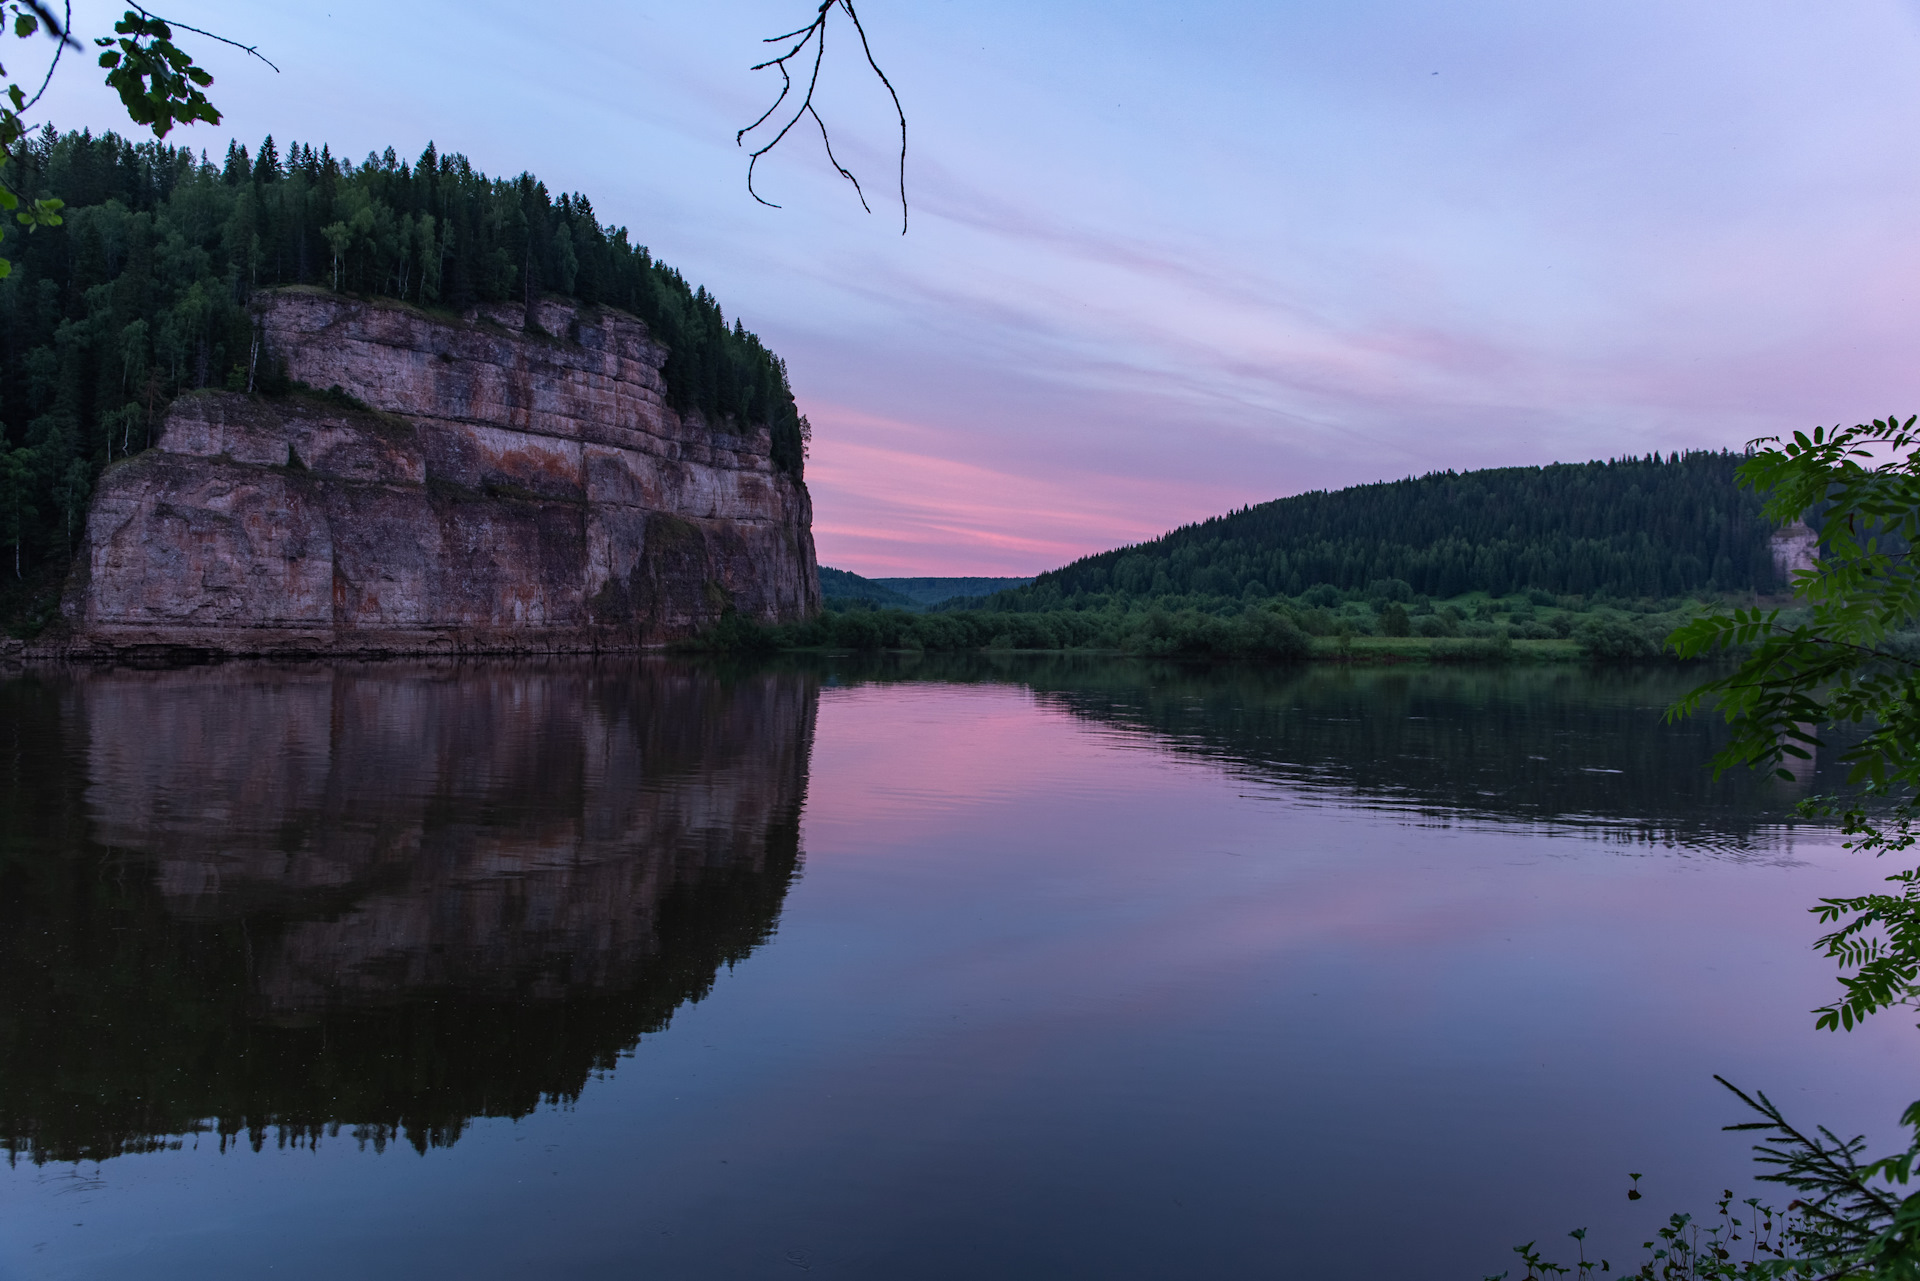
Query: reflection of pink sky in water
[
  {"x": 912, "y": 754},
  {"x": 1146, "y": 881},
  {"x": 1080, "y": 967}
]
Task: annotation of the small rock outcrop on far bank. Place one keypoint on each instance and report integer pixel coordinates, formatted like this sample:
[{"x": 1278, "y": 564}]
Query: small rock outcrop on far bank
[{"x": 472, "y": 486}]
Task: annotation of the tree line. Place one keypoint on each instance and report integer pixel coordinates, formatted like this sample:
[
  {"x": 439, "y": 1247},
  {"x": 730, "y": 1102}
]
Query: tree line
[
  {"x": 1630, "y": 528},
  {"x": 141, "y": 292}
]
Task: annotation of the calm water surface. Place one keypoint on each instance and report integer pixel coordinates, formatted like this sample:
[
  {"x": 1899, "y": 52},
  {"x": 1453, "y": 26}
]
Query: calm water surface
[{"x": 882, "y": 970}]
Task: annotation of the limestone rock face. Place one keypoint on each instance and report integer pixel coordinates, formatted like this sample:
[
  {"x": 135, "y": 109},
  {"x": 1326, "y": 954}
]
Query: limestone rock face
[
  {"x": 502, "y": 489},
  {"x": 1794, "y": 548}
]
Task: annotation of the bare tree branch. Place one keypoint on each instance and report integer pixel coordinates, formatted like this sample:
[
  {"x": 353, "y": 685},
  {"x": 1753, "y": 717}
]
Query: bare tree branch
[
  {"x": 898, "y": 109},
  {"x": 244, "y": 48},
  {"x": 815, "y": 34},
  {"x": 59, "y": 31}
]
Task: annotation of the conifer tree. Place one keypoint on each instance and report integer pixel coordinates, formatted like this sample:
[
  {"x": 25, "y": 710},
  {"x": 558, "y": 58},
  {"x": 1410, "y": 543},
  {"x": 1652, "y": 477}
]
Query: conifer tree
[
  {"x": 267, "y": 167},
  {"x": 142, "y": 291}
]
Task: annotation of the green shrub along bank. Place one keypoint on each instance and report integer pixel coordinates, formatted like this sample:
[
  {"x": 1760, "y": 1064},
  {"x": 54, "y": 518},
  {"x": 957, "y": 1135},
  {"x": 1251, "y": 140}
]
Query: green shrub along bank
[
  {"x": 1259, "y": 634},
  {"x": 1386, "y": 625}
]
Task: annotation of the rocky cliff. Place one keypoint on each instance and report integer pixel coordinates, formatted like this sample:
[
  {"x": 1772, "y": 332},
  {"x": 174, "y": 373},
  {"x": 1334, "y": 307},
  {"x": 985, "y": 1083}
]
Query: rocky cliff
[{"x": 476, "y": 485}]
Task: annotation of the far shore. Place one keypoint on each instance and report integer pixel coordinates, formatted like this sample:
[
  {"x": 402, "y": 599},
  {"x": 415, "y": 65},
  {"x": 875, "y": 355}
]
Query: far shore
[{"x": 1326, "y": 649}]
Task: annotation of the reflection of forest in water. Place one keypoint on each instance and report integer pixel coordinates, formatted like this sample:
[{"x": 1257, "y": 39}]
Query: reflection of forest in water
[
  {"x": 385, "y": 899},
  {"x": 1563, "y": 744},
  {"x": 380, "y": 898}
]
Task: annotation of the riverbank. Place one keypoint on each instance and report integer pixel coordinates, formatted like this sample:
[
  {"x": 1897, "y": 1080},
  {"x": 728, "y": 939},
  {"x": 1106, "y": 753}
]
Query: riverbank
[
  {"x": 1372, "y": 650},
  {"x": 1430, "y": 649},
  {"x": 1472, "y": 631}
]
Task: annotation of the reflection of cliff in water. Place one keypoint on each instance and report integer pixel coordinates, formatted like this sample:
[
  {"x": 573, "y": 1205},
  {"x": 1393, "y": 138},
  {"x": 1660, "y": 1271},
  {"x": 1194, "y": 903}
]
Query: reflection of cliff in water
[
  {"x": 1562, "y": 743},
  {"x": 385, "y": 898}
]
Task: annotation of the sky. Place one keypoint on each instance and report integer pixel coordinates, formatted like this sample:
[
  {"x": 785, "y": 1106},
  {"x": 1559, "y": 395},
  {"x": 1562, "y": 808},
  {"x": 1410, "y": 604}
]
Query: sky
[{"x": 1163, "y": 261}]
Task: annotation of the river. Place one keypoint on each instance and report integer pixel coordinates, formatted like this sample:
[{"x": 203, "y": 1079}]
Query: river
[{"x": 1012, "y": 967}]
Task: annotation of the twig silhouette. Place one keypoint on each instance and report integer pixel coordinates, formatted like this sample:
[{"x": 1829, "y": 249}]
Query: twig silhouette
[
  {"x": 815, "y": 34},
  {"x": 244, "y": 48},
  {"x": 62, "y": 34}
]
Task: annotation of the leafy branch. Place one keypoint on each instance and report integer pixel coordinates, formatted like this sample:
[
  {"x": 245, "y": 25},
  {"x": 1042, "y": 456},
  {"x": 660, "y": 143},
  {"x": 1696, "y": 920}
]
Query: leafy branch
[
  {"x": 1851, "y": 1219},
  {"x": 252, "y": 50},
  {"x": 158, "y": 82},
  {"x": 1879, "y": 934},
  {"x": 1838, "y": 663},
  {"x": 29, "y": 17},
  {"x": 1849, "y": 659}
]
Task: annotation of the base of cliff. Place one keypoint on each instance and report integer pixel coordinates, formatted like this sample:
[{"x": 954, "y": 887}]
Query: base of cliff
[
  {"x": 30, "y": 604},
  {"x": 178, "y": 646}
]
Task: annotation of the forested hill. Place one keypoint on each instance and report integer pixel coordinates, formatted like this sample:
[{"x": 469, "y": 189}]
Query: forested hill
[
  {"x": 838, "y": 587},
  {"x": 935, "y": 591},
  {"x": 142, "y": 293},
  {"x": 1634, "y": 527}
]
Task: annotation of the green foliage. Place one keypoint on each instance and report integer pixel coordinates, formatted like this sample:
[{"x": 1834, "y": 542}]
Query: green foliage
[
  {"x": 157, "y": 82},
  {"x": 1879, "y": 934},
  {"x": 736, "y": 635},
  {"x": 1635, "y": 527},
  {"x": 141, "y": 292},
  {"x": 837, "y": 586},
  {"x": 1841, "y": 659},
  {"x": 1470, "y": 630},
  {"x": 1617, "y": 640},
  {"x": 1849, "y": 1219},
  {"x": 955, "y": 593},
  {"x": 13, "y": 100},
  {"x": 1845, "y": 659},
  {"x": 1265, "y": 634}
]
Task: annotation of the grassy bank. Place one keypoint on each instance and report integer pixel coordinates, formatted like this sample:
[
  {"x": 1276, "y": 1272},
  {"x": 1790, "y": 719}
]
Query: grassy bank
[{"x": 1423, "y": 649}]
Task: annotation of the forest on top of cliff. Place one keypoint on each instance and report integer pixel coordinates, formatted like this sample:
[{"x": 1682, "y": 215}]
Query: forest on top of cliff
[
  {"x": 141, "y": 293},
  {"x": 1629, "y": 528}
]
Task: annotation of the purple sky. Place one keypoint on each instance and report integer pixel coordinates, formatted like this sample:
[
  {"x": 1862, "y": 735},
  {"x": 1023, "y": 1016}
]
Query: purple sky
[{"x": 1166, "y": 260}]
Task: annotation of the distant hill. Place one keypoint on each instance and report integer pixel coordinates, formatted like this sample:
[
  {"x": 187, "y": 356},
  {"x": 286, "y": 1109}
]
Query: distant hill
[
  {"x": 1657, "y": 526},
  {"x": 907, "y": 593},
  {"x": 931, "y": 591},
  {"x": 837, "y": 585}
]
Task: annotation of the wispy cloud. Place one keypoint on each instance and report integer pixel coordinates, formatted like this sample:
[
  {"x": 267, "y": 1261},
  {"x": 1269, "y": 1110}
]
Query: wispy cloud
[{"x": 1168, "y": 261}]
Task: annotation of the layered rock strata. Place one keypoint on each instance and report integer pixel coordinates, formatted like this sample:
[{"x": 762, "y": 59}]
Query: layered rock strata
[{"x": 483, "y": 485}]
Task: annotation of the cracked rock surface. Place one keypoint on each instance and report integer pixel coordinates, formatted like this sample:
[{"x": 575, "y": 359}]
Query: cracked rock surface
[{"x": 475, "y": 486}]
